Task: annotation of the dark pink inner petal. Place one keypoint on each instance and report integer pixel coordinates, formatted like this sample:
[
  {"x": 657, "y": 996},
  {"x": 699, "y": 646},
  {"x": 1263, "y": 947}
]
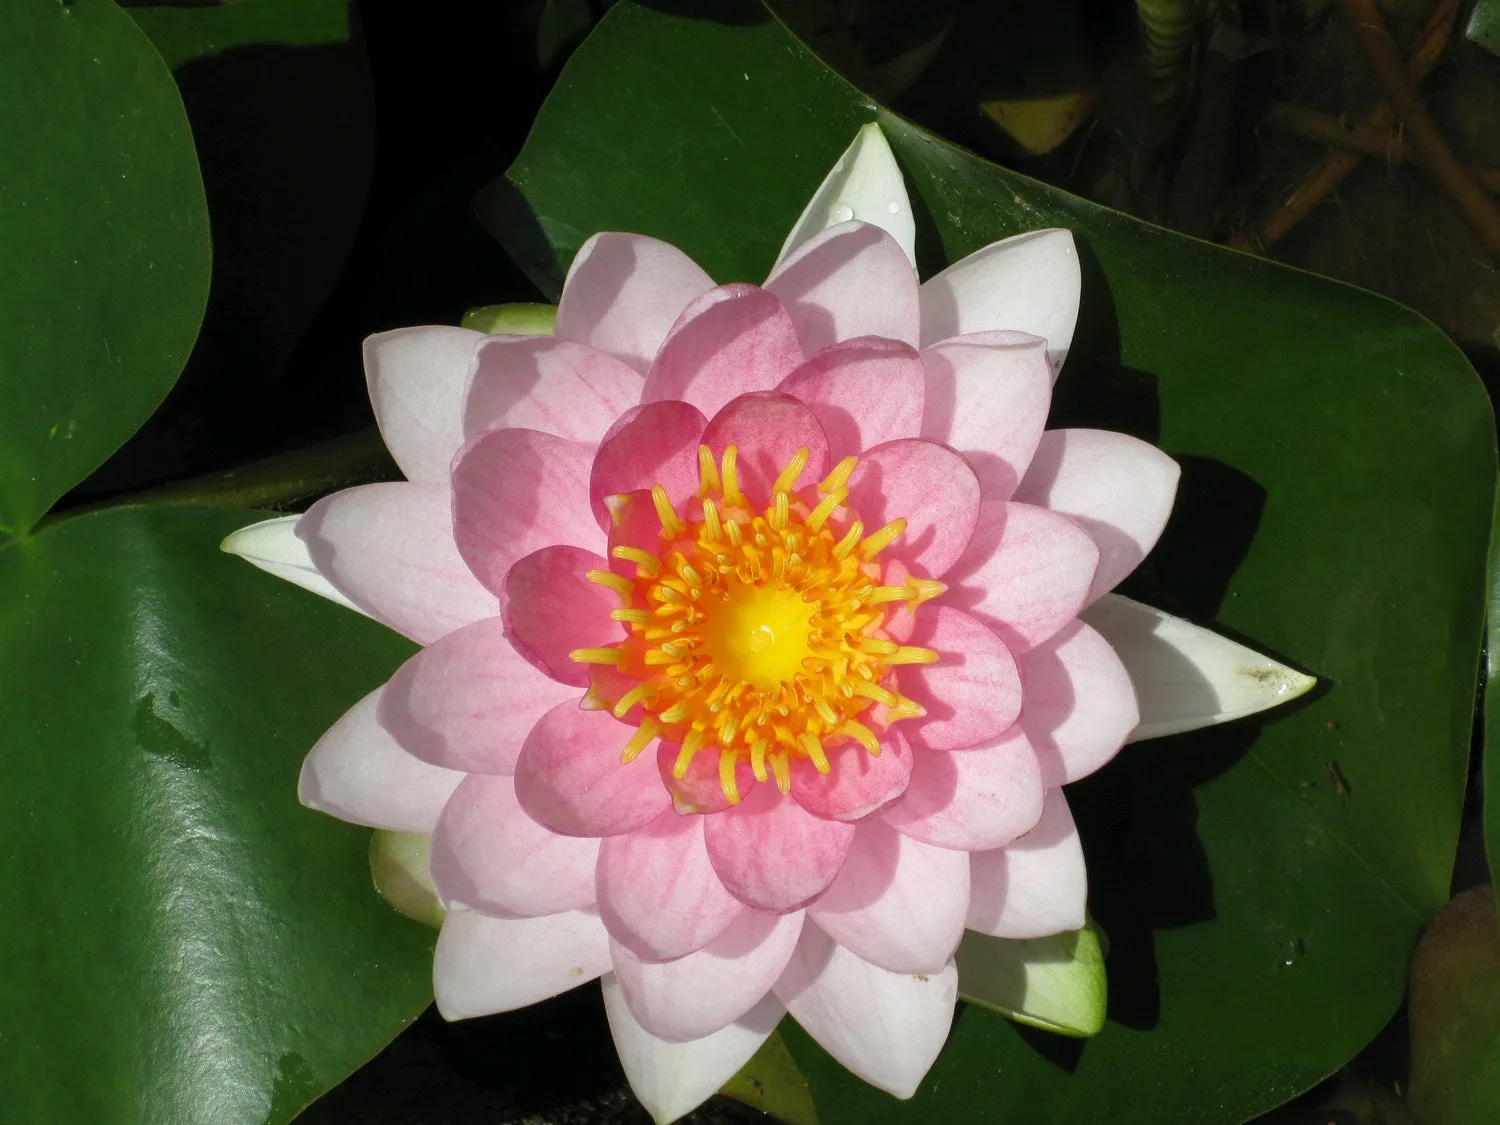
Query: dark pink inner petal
[{"x": 550, "y": 608}]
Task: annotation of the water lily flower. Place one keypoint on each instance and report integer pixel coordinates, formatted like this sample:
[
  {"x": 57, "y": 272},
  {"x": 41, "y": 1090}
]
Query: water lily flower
[{"x": 758, "y": 642}]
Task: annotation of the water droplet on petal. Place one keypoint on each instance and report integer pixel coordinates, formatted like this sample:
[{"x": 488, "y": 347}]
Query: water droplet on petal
[
  {"x": 840, "y": 213},
  {"x": 893, "y": 207}
]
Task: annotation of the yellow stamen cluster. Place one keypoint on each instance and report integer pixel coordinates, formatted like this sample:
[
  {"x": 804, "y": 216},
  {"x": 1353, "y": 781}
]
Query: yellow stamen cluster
[{"x": 758, "y": 635}]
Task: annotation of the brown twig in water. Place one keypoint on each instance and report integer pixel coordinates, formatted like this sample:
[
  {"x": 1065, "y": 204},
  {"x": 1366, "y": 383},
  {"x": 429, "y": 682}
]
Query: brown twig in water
[{"x": 1323, "y": 180}]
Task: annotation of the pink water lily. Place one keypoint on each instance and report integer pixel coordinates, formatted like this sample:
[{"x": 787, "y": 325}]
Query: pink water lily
[{"x": 753, "y": 662}]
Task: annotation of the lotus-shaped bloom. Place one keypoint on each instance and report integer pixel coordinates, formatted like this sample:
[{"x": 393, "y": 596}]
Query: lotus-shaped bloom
[{"x": 753, "y": 665}]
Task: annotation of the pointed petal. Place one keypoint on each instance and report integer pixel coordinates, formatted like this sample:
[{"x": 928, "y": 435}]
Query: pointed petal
[
  {"x": 652, "y": 444},
  {"x": 1117, "y": 488},
  {"x": 359, "y": 773},
  {"x": 987, "y": 396},
  {"x": 771, "y": 854},
  {"x": 1028, "y": 283},
  {"x": 857, "y": 782},
  {"x": 731, "y": 341},
  {"x": 1056, "y": 983},
  {"x": 673, "y": 1079},
  {"x": 865, "y": 392},
  {"x": 1079, "y": 705},
  {"x": 485, "y": 965},
  {"x": 398, "y": 868},
  {"x": 390, "y": 549},
  {"x": 972, "y": 694},
  {"x": 982, "y": 797},
  {"x": 697, "y": 995},
  {"x": 768, "y": 428},
  {"x": 929, "y": 486},
  {"x": 551, "y": 608},
  {"x": 416, "y": 378},
  {"x": 885, "y": 1027},
  {"x": 468, "y": 700},
  {"x": 848, "y": 281},
  {"x": 623, "y": 294},
  {"x": 489, "y": 856},
  {"x": 543, "y": 383},
  {"x": 1035, "y": 886},
  {"x": 897, "y": 902},
  {"x": 1186, "y": 676},
  {"x": 273, "y": 546},
  {"x": 864, "y": 184}
]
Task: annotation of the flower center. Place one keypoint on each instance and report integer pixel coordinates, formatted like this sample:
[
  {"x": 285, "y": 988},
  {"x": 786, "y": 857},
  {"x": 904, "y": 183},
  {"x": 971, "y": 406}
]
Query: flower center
[{"x": 758, "y": 635}]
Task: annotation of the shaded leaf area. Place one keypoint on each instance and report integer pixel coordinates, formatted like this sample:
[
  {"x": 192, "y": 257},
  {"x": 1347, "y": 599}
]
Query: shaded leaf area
[
  {"x": 201, "y": 947},
  {"x": 1263, "y": 884},
  {"x": 1490, "y": 717},
  {"x": 104, "y": 236},
  {"x": 1484, "y": 25}
]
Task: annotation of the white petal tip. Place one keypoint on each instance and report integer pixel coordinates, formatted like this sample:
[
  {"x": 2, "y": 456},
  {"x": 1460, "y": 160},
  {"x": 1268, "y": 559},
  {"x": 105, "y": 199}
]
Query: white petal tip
[
  {"x": 864, "y": 184},
  {"x": 1054, "y": 983},
  {"x": 274, "y": 547}
]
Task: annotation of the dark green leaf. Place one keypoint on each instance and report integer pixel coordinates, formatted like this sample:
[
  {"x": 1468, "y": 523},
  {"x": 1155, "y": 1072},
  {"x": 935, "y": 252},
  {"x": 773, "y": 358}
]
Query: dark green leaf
[
  {"x": 1491, "y": 713},
  {"x": 1262, "y": 884},
  {"x": 104, "y": 240},
  {"x": 183, "y": 942},
  {"x": 1484, "y": 25}
]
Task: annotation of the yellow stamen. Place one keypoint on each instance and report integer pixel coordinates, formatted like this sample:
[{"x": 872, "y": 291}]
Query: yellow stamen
[
  {"x": 727, "y": 781},
  {"x": 847, "y": 543},
  {"x": 882, "y": 538},
  {"x": 910, "y": 654},
  {"x": 733, "y": 497},
  {"x": 863, "y": 735},
  {"x": 631, "y": 698},
  {"x": 631, "y": 616},
  {"x": 646, "y": 564},
  {"x": 597, "y": 656},
  {"x": 819, "y": 515},
  {"x": 788, "y": 478},
  {"x": 838, "y": 479},
  {"x": 666, "y": 515},
  {"x": 612, "y": 581},
  {"x": 641, "y": 739},
  {"x": 783, "y": 771},
  {"x": 882, "y": 594},
  {"x": 708, "y": 472}
]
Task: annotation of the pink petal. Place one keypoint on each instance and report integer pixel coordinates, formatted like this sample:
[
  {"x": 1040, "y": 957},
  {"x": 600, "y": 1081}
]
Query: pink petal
[
  {"x": 652, "y": 444},
  {"x": 865, "y": 392},
  {"x": 633, "y": 522},
  {"x": 624, "y": 292},
  {"x": 570, "y": 779},
  {"x": 885, "y": 1027},
  {"x": 771, "y": 854},
  {"x": 1080, "y": 704},
  {"x": 1036, "y": 886},
  {"x": 1116, "y": 487},
  {"x": 485, "y": 965},
  {"x": 1026, "y": 572},
  {"x": 849, "y": 280},
  {"x": 768, "y": 428},
  {"x": 974, "y": 799},
  {"x": 488, "y": 855},
  {"x": 658, "y": 894},
  {"x": 517, "y": 491},
  {"x": 359, "y": 773},
  {"x": 857, "y": 783},
  {"x": 897, "y": 902},
  {"x": 732, "y": 340},
  {"x": 972, "y": 694},
  {"x": 1029, "y": 283},
  {"x": 699, "y": 790},
  {"x": 543, "y": 383},
  {"x": 416, "y": 378},
  {"x": 551, "y": 608},
  {"x": 467, "y": 701},
  {"x": 696, "y": 995},
  {"x": 987, "y": 396},
  {"x": 929, "y": 486},
  {"x": 390, "y": 549}
]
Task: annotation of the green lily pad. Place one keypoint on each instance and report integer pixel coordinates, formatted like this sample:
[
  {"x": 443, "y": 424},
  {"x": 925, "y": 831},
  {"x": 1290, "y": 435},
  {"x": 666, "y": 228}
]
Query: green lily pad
[
  {"x": 1484, "y": 25},
  {"x": 104, "y": 236},
  {"x": 1262, "y": 884},
  {"x": 183, "y": 942}
]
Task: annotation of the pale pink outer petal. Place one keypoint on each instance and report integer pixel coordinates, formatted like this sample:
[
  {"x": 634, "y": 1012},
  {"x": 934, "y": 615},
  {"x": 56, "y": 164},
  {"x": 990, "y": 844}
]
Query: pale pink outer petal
[
  {"x": 416, "y": 378},
  {"x": 658, "y": 894},
  {"x": 987, "y": 396},
  {"x": 1030, "y": 283},
  {"x": 544, "y": 383},
  {"x": 928, "y": 485},
  {"x": 974, "y": 799},
  {"x": 885, "y": 1027},
  {"x": 467, "y": 701},
  {"x": 623, "y": 294},
  {"x": 865, "y": 392},
  {"x": 485, "y": 965},
  {"x": 897, "y": 902},
  {"x": 857, "y": 782},
  {"x": 517, "y": 491},
  {"x": 570, "y": 779},
  {"x": 728, "y": 342},
  {"x": 849, "y": 280},
  {"x": 1036, "y": 886},
  {"x": 773, "y": 855},
  {"x": 699, "y": 790},
  {"x": 673, "y": 1079},
  {"x": 550, "y": 608},
  {"x": 389, "y": 548},
  {"x": 1026, "y": 572},
  {"x": 488, "y": 855},
  {"x": 359, "y": 773},
  {"x": 696, "y": 995},
  {"x": 1118, "y": 488},
  {"x": 972, "y": 694},
  {"x": 767, "y": 428},
  {"x": 652, "y": 444},
  {"x": 1080, "y": 704}
]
